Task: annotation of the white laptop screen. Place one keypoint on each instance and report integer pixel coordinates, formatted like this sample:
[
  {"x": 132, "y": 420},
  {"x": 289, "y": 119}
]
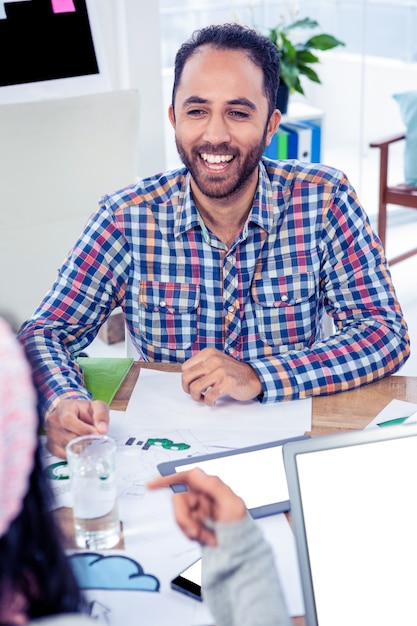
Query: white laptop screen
[{"x": 355, "y": 517}]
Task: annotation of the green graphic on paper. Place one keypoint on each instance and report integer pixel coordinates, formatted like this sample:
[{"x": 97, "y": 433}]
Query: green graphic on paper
[
  {"x": 167, "y": 444},
  {"x": 58, "y": 471}
]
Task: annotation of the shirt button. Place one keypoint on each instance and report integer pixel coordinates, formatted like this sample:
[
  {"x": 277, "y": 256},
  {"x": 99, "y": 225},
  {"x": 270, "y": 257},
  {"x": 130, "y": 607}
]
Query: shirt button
[
  {"x": 230, "y": 308},
  {"x": 162, "y": 303},
  {"x": 284, "y": 298}
]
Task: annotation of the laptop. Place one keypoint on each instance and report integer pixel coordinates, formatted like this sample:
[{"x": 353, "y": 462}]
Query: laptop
[{"x": 354, "y": 512}]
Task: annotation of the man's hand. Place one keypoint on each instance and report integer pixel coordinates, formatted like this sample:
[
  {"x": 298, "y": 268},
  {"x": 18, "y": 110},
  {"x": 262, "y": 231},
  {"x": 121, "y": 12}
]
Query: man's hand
[
  {"x": 210, "y": 374},
  {"x": 73, "y": 418},
  {"x": 207, "y": 497}
]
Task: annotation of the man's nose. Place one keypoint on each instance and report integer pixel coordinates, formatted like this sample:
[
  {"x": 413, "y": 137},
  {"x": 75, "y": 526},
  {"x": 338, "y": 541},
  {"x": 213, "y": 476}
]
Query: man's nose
[{"x": 216, "y": 130}]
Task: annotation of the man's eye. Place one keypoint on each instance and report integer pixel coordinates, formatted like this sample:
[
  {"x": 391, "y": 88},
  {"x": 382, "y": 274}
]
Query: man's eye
[
  {"x": 195, "y": 112},
  {"x": 239, "y": 114}
]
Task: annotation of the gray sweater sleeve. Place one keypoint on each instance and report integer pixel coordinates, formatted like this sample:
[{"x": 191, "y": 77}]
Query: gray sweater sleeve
[{"x": 239, "y": 579}]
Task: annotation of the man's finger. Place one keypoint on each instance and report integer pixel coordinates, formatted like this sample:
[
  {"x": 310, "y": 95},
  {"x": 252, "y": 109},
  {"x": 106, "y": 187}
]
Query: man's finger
[{"x": 101, "y": 416}]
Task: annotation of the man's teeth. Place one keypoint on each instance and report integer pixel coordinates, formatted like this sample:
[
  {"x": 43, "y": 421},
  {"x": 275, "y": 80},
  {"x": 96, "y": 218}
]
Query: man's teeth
[{"x": 217, "y": 158}]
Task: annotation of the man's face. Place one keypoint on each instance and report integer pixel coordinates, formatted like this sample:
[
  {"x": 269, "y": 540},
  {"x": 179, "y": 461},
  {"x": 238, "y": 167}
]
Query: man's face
[{"x": 221, "y": 120}]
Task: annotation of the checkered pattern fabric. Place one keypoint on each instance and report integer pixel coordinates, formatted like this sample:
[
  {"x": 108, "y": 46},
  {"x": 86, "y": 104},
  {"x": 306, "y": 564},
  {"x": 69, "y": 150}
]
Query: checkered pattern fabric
[{"x": 307, "y": 247}]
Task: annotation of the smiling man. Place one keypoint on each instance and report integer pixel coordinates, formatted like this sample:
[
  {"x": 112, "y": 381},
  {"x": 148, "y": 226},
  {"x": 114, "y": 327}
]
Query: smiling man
[
  {"x": 220, "y": 134},
  {"x": 226, "y": 265}
]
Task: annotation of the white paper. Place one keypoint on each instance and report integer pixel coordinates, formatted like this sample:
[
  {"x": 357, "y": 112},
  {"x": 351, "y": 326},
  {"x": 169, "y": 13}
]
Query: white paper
[
  {"x": 279, "y": 535},
  {"x": 124, "y": 607},
  {"x": 160, "y": 401},
  {"x": 140, "y": 608},
  {"x": 396, "y": 409},
  {"x": 163, "y": 423}
]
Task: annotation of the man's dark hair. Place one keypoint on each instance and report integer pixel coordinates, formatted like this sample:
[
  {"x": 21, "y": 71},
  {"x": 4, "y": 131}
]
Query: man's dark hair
[{"x": 260, "y": 50}]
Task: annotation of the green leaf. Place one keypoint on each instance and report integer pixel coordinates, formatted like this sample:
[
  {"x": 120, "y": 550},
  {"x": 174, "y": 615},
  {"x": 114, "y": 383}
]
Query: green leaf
[
  {"x": 296, "y": 57},
  {"x": 310, "y": 73},
  {"x": 323, "y": 42},
  {"x": 288, "y": 52},
  {"x": 273, "y": 35},
  {"x": 305, "y": 56},
  {"x": 306, "y": 22},
  {"x": 298, "y": 87},
  {"x": 289, "y": 75}
]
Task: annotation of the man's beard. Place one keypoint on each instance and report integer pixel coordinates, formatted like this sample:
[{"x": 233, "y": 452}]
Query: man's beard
[{"x": 218, "y": 185}]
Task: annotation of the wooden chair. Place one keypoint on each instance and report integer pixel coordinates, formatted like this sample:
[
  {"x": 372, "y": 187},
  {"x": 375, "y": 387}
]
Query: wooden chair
[{"x": 401, "y": 195}]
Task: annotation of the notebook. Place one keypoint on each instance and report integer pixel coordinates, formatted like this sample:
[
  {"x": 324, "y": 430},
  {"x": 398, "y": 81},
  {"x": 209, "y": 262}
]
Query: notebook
[
  {"x": 354, "y": 512},
  {"x": 103, "y": 376}
]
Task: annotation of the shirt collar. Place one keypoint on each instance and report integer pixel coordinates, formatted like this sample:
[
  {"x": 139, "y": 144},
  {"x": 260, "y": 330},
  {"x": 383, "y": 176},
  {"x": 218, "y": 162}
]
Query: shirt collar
[
  {"x": 187, "y": 216},
  {"x": 262, "y": 212}
]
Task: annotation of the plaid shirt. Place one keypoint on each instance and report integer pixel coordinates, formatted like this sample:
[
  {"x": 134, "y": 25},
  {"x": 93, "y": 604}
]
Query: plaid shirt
[{"x": 307, "y": 247}]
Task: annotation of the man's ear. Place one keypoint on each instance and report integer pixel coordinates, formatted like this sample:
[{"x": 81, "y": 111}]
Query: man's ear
[
  {"x": 273, "y": 124},
  {"x": 171, "y": 115}
]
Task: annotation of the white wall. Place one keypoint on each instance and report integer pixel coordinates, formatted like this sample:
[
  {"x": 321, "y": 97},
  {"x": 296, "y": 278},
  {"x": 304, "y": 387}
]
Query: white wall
[
  {"x": 132, "y": 43},
  {"x": 57, "y": 157}
]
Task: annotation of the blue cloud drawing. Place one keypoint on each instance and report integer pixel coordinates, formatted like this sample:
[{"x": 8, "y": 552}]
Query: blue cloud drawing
[{"x": 95, "y": 571}]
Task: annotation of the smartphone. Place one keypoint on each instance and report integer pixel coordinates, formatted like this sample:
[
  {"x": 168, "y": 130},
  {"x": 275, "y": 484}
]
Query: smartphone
[{"x": 189, "y": 581}]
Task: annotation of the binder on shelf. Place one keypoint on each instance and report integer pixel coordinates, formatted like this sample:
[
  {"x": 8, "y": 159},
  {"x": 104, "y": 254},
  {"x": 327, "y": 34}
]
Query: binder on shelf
[
  {"x": 308, "y": 140},
  {"x": 315, "y": 142},
  {"x": 296, "y": 140},
  {"x": 292, "y": 152},
  {"x": 278, "y": 148},
  {"x": 303, "y": 133},
  {"x": 282, "y": 136}
]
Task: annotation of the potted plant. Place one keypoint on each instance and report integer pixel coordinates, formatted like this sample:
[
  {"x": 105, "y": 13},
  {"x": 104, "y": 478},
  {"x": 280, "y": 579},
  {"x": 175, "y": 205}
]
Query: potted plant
[{"x": 296, "y": 57}]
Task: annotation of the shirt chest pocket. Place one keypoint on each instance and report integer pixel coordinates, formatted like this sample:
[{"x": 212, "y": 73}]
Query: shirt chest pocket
[
  {"x": 286, "y": 308},
  {"x": 168, "y": 314}
]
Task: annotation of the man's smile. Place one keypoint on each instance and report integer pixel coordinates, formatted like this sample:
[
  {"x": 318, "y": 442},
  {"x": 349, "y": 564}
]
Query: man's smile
[
  {"x": 216, "y": 162},
  {"x": 216, "y": 158}
]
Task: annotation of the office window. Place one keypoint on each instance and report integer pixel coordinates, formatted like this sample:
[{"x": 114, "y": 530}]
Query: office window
[
  {"x": 180, "y": 19},
  {"x": 383, "y": 28}
]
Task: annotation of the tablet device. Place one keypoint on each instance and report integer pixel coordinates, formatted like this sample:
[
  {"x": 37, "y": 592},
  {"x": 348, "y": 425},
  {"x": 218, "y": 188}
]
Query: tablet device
[
  {"x": 189, "y": 581},
  {"x": 255, "y": 473}
]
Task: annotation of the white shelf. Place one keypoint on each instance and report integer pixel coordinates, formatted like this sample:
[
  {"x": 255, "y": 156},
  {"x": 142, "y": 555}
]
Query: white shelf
[{"x": 301, "y": 111}]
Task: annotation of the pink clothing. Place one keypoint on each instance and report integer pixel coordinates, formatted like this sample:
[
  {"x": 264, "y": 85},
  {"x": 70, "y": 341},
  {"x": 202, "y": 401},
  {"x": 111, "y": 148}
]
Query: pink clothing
[{"x": 18, "y": 425}]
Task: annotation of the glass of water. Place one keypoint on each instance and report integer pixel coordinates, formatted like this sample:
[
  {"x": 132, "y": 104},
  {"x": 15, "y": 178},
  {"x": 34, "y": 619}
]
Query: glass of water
[{"x": 92, "y": 469}]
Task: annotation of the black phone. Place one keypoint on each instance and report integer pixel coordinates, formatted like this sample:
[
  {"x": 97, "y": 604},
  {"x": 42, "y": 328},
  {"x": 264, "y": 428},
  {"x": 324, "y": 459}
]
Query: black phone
[{"x": 189, "y": 581}]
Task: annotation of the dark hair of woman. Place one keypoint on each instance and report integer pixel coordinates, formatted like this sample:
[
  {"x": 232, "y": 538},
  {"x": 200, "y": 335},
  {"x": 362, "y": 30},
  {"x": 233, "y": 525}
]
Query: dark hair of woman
[{"x": 32, "y": 561}]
